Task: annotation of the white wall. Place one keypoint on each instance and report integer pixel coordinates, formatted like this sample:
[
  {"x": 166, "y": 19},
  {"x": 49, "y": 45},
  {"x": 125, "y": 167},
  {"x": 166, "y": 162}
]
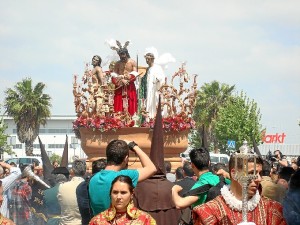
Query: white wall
[{"x": 50, "y": 137}]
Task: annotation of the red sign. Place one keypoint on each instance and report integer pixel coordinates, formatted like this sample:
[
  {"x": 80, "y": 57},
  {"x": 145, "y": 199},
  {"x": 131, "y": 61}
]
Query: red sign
[{"x": 273, "y": 138}]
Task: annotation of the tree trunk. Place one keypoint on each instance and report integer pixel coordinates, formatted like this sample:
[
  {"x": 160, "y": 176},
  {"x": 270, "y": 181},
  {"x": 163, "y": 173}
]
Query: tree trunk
[{"x": 29, "y": 148}]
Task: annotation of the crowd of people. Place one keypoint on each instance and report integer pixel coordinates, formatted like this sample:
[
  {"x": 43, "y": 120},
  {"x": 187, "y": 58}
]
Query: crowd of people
[{"x": 114, "y": 194}]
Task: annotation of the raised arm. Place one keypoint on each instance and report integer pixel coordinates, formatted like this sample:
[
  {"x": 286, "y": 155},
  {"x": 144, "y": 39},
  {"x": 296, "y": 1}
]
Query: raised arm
[
  {"x": 148, "y": 168},
  {"x": 181, "y": 202},
  {"x": 15, "y": 173}
]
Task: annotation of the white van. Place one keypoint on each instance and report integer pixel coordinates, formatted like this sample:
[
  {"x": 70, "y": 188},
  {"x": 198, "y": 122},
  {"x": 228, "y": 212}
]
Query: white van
[
  {"x": 25, "y": 160},
  {"x": 185, "y": 156},
  {"x": 219, "y": 158},
  {"x": 214, "y": 158}
]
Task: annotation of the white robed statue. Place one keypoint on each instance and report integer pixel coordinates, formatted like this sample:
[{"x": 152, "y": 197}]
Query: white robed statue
[{"x": 153, "y": 79}]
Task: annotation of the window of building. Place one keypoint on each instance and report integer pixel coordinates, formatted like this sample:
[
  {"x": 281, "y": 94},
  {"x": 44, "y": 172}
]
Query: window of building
[
  {"x": 56, "y": 145},
  {"x": 17, "y": 146},
  {"x": 38, "y": 145},
  {"x": 51, "y": 131}
]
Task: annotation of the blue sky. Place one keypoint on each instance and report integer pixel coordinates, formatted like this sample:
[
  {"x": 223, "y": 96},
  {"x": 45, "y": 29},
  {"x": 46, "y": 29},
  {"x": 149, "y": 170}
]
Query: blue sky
[{"x": 254, "y": 45}]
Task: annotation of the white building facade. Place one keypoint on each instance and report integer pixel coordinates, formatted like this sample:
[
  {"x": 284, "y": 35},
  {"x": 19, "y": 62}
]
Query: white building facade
[{"x": 53, "y": 137}]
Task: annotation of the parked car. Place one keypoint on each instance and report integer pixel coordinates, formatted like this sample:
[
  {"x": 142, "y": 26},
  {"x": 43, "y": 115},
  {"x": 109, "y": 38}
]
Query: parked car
[
  {"x": 214, "y": 158},
  {"x": 26, "y": 160},
  {"x": 219, "y": 158},
  {"x": 185, "y": 156}
]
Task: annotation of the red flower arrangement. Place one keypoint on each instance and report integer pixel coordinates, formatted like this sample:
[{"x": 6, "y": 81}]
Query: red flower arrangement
[
  {"x": 172, "y": 123},
  {"x": 100, "y": 123}
]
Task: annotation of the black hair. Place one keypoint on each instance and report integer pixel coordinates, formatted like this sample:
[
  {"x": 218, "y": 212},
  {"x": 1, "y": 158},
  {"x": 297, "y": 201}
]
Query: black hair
[
  {"x": 124, "y": 50},
  {"x": 280, "y": 153},
  {"x": 98, "y": 165},
  {"x": 123, "y": 179},
  {"x": 188, "y": 170},
  {"x": 116, "y": 151},
  {"x": 295, "y": 181},
  {"x": 266, "y": 168},
  {"x": 285, "y": 173},
  {"x": 200, "y": 158},
  {"x": 216, "y": 167},
  {"x": 179, "y": 173}
]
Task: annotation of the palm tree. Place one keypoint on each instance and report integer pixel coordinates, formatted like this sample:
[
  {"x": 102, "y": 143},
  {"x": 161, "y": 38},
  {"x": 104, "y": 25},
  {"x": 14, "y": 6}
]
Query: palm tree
[
  {"x": 211, "y": 97},
  {"x": 29, "y": 108}
]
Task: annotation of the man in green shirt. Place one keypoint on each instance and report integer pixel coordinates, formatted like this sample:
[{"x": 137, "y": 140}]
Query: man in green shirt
[{"x": 200, "y": 162}]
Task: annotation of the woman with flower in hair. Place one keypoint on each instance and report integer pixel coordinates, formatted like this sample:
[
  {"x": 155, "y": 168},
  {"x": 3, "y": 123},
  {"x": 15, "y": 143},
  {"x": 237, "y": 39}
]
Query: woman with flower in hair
[{"x": 122, "y": 211}]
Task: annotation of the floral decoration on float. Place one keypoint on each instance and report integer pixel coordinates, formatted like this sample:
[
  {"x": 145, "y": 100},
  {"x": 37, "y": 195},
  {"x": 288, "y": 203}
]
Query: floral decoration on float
[{"x": 177, "y": 123}]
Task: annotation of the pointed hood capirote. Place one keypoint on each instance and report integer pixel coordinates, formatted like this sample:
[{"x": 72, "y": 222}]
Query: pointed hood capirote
[
  {"x": 256, "y": 149},
  {"x": 157, "y": 144},
  {"x": 64, "y": 158},
  {"x": 47, "y": 166}
]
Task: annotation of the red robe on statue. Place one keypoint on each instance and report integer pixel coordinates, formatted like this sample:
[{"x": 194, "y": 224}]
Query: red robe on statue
[
  {"x": 123, "y": 91},
  {"x": 267, "y": 212}
]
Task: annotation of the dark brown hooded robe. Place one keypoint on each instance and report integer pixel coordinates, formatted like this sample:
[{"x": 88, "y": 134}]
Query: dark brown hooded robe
[{"x": 154, "y": 195}]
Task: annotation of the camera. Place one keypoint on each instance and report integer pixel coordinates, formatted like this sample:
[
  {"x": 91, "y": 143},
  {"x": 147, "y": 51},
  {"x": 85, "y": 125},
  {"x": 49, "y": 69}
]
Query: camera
[{"x": 271, "y": 157}]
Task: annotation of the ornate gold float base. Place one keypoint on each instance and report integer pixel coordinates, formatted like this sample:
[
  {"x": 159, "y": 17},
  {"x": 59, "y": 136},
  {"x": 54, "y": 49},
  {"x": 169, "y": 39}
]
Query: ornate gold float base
[{"x": 94, "y": 143}]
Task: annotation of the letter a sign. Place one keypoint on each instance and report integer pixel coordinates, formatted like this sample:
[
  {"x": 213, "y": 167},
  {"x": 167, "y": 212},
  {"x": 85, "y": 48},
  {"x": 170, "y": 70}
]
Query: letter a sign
[{"x": 230, "y": 144}]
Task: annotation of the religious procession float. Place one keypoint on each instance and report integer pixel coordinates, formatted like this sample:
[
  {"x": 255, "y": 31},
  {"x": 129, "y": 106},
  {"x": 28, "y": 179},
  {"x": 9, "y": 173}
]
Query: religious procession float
[{"x": 108, "y": 107}]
